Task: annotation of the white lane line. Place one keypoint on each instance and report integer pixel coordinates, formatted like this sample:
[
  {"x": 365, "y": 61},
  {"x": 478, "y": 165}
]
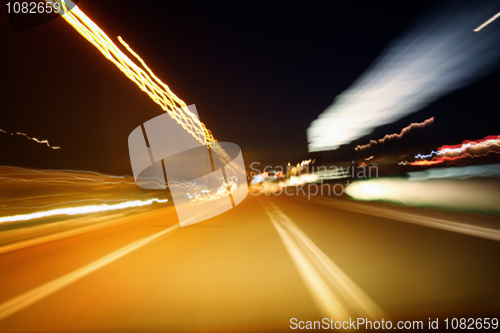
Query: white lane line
[
  {"x": 462, "y": 228},
  {"x": 335, "y": 295},
  {"x": 20, "y": 302}
]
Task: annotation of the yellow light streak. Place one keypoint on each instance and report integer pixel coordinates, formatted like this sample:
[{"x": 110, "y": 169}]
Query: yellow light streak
[
  {"x": 32, "y": 139},
  {"x": 158, "y": 91},
  {"x": 80, "y": 210},
  {"x": 487, "y": 22}
]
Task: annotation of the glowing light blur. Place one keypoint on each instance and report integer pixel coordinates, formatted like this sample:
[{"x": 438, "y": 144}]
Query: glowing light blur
[
  {"x": 32, "y": 139},
  {"x": 302, "y": 166},
  {"x": 472, "y": 194},
  {"x": 80, "y": 210},
  {"x": 437, "y": 56}
]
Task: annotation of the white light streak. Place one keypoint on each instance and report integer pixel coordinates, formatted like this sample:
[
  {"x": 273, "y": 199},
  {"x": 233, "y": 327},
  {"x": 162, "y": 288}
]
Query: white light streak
[
  {"x": 487, "y": 22},
  {"x": 80, "y": 210}
]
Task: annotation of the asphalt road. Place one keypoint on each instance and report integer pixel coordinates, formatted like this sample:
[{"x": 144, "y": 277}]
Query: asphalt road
[{"x": 250, "y": 269}]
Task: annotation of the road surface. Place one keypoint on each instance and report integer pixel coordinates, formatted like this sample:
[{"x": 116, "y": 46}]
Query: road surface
[{"x": 250, "y": 269}]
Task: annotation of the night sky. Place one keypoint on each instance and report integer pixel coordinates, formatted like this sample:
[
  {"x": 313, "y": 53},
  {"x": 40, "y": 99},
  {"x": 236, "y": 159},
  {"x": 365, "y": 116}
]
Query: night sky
[{"x": 258, "y": 73}]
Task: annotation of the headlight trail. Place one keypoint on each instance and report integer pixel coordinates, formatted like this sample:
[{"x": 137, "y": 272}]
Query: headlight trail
[
  {"x": 437, "y": 56},
  {"x": 32, "y": 139},
  {"x": 487, "y": 22},
  {"x": 158, "y": 91},
  {"x": 80, "y": 210},
  {"x": 471, "y": 149}
]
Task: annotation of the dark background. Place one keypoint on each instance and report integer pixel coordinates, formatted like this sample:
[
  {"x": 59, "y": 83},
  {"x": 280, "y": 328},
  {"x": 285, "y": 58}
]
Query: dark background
[{"x": 259, "y": 73}]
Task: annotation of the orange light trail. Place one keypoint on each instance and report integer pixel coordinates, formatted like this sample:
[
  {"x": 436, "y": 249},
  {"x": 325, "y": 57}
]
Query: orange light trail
[
  {"x": 391, "y": 137},
  {"x": 80, "y": 210},
  {"x": 32, "y": 139},
  {"x": 58, "y": 177},
  {"x": 9, "y": 174},
  {"x": 158, "y": 91},
  {"x": 64, "y": 203},
  {"x": 487, "y": 22}
]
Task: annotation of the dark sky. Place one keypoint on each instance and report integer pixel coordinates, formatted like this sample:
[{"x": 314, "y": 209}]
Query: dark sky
[{"x": 258, "y": 73}]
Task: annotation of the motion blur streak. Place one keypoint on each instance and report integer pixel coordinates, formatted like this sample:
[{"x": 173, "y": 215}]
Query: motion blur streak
[
  {"x": 9, "y": 174},
  {"x": 336, "y": 296},
  {"x": 32, "y": 139},
  {"x": 487, "y": 22},
  {"x": 437, "y": 56},
  {"x": 16, "y": 304},
  {"x": 464, "y": 195},
  {"x": 64, "y": 203},
  {"x": 80, "y": 210},
  {"x": 150, "y": 84},
  {"x": 389, "y": 137},
  {"x": 463, "y": 172},
  {"x": 472, "y": 149},
  {"x": 479, "y": 147}
]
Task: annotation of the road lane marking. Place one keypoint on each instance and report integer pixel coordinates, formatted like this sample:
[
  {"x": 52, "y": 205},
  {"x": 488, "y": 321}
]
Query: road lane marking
[
  {"x": 20, "y": 302},
  {"x": 462, "y": 228},
  {"x": 335, "y": 295}
]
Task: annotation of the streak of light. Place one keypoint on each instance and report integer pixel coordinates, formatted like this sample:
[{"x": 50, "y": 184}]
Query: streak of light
[
  {"x": 80, "y": 210},
  {"x": 464, "y": 172},
  {"x": 333, "y": 292},
  {"x": 487, "y": 22},
  {"x": 424, "y": 163},
  {"x": 483, "y": 147},
  {"x": 76, "y": 181},
  {"x": 471, "y": 149},
  {"x": 32, "y": 139},
  {"x": 464, "y": 195},
  {"x": 10, "y": 174},
  {"x": 64, "y": 203},
  {"x": 14, "y": 175},
  {"x": 20, "y": 170},
  {"x": 390, "y": 137},
  {"x": 158, "y": 91},
  {"x": 435, "y": 57},
  {"x": 369, "y": 158},
  {"x": 422, "y": 156}
]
